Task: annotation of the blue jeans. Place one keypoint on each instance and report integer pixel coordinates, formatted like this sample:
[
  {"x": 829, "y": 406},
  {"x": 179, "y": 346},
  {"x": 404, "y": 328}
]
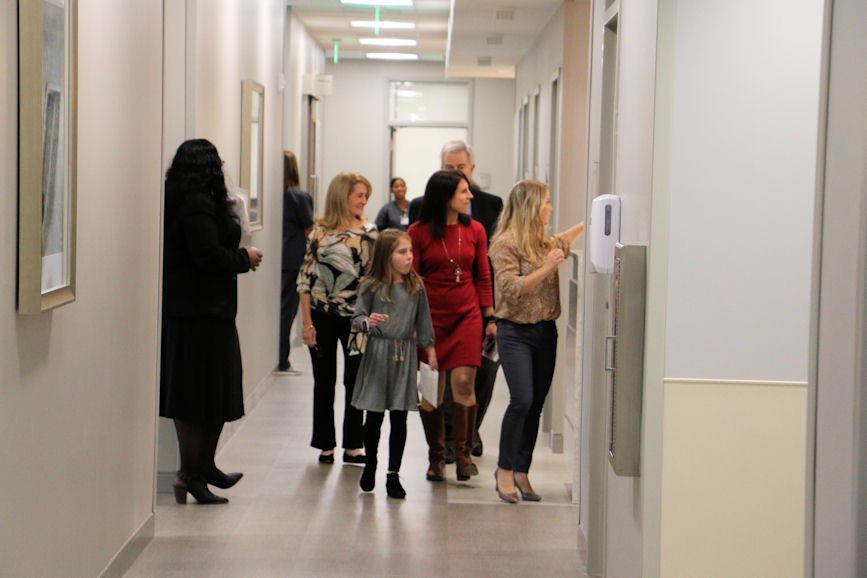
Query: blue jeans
[{"x": 527, "y": 355}]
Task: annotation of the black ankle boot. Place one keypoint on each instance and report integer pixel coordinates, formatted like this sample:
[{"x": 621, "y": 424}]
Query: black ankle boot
[
  {"x": 368, "y": 476},
  {"x": 196, "y": 486},
  {"x": 222, "y": 480},
  {"x": 393, "y": 487}
]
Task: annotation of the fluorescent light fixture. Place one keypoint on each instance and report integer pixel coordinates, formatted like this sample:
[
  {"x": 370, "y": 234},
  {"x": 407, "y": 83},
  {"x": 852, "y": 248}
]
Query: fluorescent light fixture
[
  {"x": 379, "y": 2},
  {"x": 385, "y": 24},
  {"x": 391, "y": 56},
  {"x": 388, "y": 41}
]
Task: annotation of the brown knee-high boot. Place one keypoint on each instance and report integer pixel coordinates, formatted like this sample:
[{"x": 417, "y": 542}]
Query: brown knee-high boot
[
  {"x": 465, "y": 423},
  {"x": 434, "y": 432}
]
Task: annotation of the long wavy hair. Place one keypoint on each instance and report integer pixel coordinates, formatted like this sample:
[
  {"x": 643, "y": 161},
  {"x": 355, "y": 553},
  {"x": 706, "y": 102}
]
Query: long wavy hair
[
  {"x": 440, "y": 188},
  {"x": 522, "y": 217},
  {"x": 381, "y": 273},
  {"x": 197, "y": 169},
  {"x": 336, "y": 205}
]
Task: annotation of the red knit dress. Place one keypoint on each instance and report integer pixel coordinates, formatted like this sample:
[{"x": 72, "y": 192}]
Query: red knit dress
[{"x": 455, "y": 305}]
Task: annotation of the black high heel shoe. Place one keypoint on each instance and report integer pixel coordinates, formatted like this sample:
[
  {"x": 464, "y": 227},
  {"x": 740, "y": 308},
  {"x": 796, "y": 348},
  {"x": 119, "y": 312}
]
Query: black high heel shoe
[
  {"x": 222, "y": 480},
  {"x": 196, "y": 486}
]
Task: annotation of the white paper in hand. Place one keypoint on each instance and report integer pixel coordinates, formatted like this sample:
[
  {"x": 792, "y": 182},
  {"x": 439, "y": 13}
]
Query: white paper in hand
[{"x": 427, "y": 383}]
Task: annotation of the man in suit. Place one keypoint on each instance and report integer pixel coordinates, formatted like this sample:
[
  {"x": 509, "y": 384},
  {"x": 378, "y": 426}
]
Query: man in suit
[{"x": 485, "y": 208}]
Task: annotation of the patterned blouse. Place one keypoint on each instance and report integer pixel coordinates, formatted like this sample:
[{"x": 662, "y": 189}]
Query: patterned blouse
[
  {"x": 510, "y": 268},
  {"x": 333, "y": 265}
]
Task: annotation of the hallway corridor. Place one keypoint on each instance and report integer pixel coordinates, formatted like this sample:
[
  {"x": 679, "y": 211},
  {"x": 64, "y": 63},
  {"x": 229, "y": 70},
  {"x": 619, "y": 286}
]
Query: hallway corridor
[{"x": 291, "y": 516}]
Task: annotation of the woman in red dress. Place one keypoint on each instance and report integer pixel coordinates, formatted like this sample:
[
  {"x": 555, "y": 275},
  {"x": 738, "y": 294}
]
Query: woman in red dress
[{"x": 452, "y": 259}]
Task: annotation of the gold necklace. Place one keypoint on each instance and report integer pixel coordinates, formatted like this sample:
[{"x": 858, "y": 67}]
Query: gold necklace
[{"x": 458, "y": 270}]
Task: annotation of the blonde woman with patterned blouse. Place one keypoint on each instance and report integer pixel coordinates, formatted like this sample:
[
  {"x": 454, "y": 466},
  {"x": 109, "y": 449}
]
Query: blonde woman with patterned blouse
[
  {"x": 527, "y": 296},
  {"x": 338, "y": 255}
]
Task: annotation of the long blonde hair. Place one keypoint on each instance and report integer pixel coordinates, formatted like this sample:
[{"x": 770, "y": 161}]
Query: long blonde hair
[
  {"x": 336, "y": 206},
  {"x": 381, "y": 273},
  {"x": 522, "y": 217}
]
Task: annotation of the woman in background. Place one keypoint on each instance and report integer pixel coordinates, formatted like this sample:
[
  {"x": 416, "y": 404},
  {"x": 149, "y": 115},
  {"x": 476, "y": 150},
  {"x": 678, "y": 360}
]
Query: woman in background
[
  {"x": 338, "y": 255},
  {"x": 451, "y": 256},
  {"x": 395, "y": 214},
  {"x": 200, "y": 371},
  {"x": 525, "y": 261},
  {"x": 297, "y": 224}
]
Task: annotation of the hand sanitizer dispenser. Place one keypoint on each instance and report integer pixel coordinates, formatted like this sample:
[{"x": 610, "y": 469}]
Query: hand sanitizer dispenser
[{"x": 604, "y": 232}]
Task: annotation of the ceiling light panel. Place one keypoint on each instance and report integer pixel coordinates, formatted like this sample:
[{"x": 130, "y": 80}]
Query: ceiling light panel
[
  {"x": 391, "y": 56},
  {"x": 388, "y": 41},
  {"x": 378, "y": 2},
  {"x": 383, "y": 25}
]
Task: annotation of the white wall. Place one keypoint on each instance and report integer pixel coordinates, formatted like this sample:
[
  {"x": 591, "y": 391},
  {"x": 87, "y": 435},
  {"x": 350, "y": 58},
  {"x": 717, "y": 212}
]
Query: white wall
[
  {"x": 356, "y": 134},
  {"x": 613, "y": 522},
  {"x": 534, "y": 76},
  {"x": 235, "y": 41},
  {"x": 729, "y": 285},
  {"x": 79, "y": 383},
  {"x": 633, "y": 184},
  {"x": 491, "y": 133},
  {"x": 301, "y": 55}
]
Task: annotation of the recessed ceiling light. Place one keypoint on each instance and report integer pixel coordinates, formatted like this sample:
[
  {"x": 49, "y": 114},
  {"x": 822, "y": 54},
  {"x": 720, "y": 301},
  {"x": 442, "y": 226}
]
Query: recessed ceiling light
[
  {"x": 379, "y": 2},
  {"x": 391, "y": 56},
  {"x": 388, "y": 41},
  {"x": 384, "y": 25}
]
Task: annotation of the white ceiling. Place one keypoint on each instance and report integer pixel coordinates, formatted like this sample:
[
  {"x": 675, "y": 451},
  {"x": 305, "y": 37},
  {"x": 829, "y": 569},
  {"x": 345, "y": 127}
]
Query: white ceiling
[{"x": 484, "y": 40}]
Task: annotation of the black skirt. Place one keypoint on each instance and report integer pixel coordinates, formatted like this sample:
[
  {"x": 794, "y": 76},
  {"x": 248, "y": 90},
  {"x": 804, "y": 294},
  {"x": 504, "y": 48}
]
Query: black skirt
[{"x": 200, "y": 373}]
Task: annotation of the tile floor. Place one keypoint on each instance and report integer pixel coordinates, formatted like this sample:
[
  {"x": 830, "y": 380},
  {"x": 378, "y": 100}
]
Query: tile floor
[{"x": 291, "y": 516}]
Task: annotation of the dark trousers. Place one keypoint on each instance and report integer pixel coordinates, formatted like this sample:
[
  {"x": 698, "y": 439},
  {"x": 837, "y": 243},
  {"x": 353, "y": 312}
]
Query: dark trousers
[
  {"x": 396, "y": 439},
  {"x": 527, "y": 354},
  {"x": 329, "y": 330},
  {"x": 288, "y": 308}
]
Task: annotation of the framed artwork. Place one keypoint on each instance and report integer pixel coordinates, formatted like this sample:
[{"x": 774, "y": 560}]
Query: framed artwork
[
  {"x": 253, "y": 147},
  {"x": 47, "y": 40}
]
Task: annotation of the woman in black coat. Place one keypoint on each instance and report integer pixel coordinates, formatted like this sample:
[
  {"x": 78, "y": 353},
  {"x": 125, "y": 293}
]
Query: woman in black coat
[{"x": 200, "y": 377}]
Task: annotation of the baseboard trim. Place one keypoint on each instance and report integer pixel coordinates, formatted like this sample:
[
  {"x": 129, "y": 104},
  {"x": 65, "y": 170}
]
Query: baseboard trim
[
  {"x": 737, "y": 382},
  {"x": 124, "y": 559},
  {"x": 557, "y": 443}
]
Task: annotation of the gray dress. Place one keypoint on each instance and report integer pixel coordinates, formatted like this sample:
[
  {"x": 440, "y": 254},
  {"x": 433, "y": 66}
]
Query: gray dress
[{"x": 387, "y": 376}]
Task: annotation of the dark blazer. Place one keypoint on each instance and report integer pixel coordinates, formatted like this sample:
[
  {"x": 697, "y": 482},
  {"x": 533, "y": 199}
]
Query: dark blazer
[
  {"x": 201, "y": 260},
  {"x": 486, "y": 209}
]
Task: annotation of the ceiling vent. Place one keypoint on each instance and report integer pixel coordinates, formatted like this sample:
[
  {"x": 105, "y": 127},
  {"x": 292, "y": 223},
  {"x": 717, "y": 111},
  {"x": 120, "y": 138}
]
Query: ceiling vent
[
  {"x": 483, "y": 60},
  {"x": 504, "y": 14},
  {"x": 495, "y": 40}
]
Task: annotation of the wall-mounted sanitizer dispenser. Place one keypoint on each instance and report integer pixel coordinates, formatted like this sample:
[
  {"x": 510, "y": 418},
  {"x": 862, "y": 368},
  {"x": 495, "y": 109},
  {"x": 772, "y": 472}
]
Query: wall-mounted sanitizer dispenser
[{"x": 604, "y": 232}]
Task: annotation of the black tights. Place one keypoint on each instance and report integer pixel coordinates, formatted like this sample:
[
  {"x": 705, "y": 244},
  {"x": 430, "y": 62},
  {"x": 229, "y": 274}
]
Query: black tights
[
  {"x": 197, "y": 443},
  {"x": 396, "y": 440}
]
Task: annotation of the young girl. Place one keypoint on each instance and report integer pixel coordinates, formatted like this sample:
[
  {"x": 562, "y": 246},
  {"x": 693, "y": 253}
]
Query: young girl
[{"x": 393, "y": 311}]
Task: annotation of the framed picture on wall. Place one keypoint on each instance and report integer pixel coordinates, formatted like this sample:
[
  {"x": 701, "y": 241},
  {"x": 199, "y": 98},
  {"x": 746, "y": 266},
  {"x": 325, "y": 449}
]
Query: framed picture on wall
[
  {"x": 47, "y": 40},
  {"x": 253, "y": 147}
]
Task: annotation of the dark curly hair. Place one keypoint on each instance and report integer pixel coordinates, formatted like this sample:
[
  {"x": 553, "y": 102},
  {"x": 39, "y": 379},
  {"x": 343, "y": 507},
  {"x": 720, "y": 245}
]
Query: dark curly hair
[
  {"x": 440, "y": 188},
  {"x": 197, "y": 169}
]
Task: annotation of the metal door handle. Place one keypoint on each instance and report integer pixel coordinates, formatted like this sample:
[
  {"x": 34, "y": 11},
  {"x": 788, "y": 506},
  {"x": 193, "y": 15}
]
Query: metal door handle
[{"x": 609, "y": 339}]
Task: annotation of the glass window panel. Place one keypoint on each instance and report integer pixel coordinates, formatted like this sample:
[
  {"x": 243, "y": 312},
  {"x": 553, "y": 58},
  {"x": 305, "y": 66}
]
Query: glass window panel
[{"x": 429, "y": 102}]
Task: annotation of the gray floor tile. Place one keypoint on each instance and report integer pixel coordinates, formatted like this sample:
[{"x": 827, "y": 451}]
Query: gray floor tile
[{"x": 291, "y": 516}]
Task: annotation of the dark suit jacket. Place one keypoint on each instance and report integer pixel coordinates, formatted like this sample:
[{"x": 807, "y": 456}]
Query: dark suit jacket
[
  {"x": 201, "y": 260},
  {"x": 486, "y": 209}
]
